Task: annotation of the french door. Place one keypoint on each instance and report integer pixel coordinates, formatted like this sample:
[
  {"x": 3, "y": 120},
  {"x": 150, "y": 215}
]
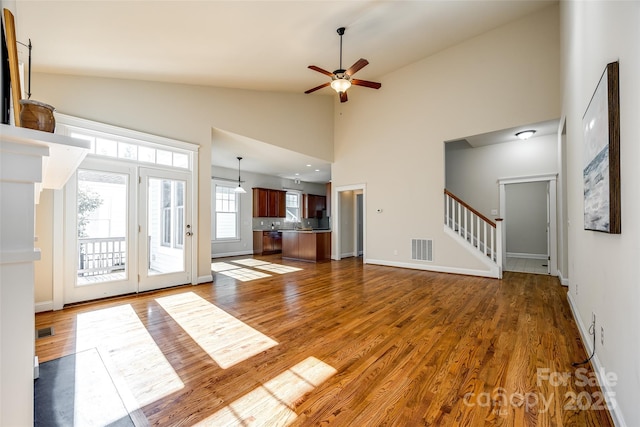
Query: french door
[
  {"x": 165, "y": 229},
  {"x": 129, "y": 230}
]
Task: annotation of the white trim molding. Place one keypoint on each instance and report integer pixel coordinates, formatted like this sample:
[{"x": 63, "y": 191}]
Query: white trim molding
[
  {"x": 600, "y": 371},
  {"x": 553, "y": 228}
]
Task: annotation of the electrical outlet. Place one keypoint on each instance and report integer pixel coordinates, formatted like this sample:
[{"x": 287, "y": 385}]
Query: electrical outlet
[
  {"x": 395, "y": 252},
  {"x": 602, "y": 335}
]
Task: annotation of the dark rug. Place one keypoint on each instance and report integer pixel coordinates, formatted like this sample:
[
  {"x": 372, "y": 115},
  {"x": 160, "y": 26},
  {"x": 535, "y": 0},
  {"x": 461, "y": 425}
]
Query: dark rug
[{"x": 77, "y": 390}]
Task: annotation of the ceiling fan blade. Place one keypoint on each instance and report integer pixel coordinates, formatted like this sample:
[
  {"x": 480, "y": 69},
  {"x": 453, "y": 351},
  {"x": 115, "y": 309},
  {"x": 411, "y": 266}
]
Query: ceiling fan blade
[
  {"x": 320, "y": 70},
  {"x": 318, "y": 87},
  {"x": 343, "y": 97},
  {"x": 366, "y": 83},
  {"x": 360, "y": 64}
]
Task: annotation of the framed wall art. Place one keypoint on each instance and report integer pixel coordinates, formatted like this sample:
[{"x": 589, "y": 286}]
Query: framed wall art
[{"x": 601, "y": 173}]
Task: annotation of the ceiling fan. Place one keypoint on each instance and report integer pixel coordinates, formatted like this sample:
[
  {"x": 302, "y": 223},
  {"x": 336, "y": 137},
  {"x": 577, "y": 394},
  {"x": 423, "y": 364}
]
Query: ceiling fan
[{"x": 341, "y": 79}]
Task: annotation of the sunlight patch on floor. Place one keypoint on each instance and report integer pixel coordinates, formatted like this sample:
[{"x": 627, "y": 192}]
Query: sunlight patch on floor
[
  {"x": 273, "y": 403},
  {"x": 245, "y": 274},
  {"x": 96, "y": 400},
  {"x": 139, "y": 369},
  {"x": 222, "y": 266},
  {"x": 226, "y": 339},
  {"x": 278, "y": 268}
]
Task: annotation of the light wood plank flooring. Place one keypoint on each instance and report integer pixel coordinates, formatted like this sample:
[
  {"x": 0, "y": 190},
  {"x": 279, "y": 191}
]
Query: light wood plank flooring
[{"x": 338, "y": 343}]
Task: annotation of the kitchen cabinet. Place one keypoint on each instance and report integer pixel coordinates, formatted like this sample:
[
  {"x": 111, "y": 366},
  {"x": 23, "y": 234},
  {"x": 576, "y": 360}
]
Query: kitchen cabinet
[
  {"x": 269, "y": 203},
  {"x": 306, "y": 245},
  {"x": 267, "y": 242},
  {"x": 313, "y": 205}
]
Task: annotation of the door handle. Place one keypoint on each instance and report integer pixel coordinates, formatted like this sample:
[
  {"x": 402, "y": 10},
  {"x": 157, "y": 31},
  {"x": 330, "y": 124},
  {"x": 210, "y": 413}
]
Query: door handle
[{"x": 189, "y": 233}]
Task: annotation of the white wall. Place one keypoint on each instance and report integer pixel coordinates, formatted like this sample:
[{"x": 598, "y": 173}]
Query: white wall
[
  {"x": 392, "y": 139},
  {"x": 604, "y": 270},
  {"x": 188, "y": 113},
  {"x": 43, "y": 268},
  {"x": 473, "y": 173}
]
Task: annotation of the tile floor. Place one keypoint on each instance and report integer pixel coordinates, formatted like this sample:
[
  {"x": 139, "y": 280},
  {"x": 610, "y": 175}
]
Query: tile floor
[{"x": 527, "y": 265}]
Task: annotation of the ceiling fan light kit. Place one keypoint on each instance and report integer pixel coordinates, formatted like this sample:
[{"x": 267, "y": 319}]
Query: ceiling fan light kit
[
  {"x": 341, "y": 84},
  {"x": 341, "y": 79}
]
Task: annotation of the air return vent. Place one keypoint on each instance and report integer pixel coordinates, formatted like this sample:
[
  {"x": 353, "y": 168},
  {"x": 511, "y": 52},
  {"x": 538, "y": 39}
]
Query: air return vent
[
  {"x": 44, "y": 332},
  {"x": 422, "y": 249}
]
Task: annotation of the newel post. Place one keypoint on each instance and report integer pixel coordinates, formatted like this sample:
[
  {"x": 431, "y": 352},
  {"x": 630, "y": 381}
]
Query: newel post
[{"x": 499, "y": 249}]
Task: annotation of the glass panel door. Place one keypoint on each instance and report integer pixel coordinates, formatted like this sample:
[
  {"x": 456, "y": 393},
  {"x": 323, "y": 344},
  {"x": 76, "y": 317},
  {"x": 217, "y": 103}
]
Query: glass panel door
[
  {"x": 165, "y": 229},
  {"x": 102, "y": 248}
]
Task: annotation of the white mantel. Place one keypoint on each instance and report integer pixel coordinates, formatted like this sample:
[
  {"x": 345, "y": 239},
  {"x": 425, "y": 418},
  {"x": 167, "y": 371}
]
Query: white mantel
[{"x": 29, "y": 160}]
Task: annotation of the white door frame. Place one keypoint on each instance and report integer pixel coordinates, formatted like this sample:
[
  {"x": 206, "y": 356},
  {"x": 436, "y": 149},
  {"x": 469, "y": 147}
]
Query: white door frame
[
  {"x": 336, "y": 225},
  {"x": 71, "y": 291},
  {"x": 145, "y": 281},
  {"x": 551, "y": 179}
]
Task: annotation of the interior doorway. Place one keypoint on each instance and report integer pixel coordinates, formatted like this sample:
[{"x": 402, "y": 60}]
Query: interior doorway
[
  {"x": 349, "y": 223},
  {"x": 528, "y": 208}
]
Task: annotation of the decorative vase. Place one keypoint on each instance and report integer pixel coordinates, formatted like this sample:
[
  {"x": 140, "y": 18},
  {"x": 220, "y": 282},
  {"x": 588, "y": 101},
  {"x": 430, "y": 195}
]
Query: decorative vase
[{"x": 37, "y": 115}]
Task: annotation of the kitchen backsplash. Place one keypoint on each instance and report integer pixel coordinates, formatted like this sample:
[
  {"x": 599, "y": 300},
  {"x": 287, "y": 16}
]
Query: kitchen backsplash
[{"x": 281, "y": 224}]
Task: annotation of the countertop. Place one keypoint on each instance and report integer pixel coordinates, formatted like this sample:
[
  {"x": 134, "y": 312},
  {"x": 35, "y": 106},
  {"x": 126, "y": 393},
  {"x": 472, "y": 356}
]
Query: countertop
[
  {"x": 307, "y": 231},
  {"x": 290, "y": 230}
]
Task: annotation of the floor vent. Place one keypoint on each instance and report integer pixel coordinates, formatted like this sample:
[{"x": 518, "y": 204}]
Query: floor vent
[
  {"x": 422, "y": 249},
  {"x": 44, "y": 332}
]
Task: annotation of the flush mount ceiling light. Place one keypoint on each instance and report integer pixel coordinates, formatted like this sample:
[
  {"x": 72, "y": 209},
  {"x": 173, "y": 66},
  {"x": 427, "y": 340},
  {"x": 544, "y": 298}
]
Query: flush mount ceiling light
[
  {"x": 525, "y": 134},
  {"x": 239, "y": 188}
]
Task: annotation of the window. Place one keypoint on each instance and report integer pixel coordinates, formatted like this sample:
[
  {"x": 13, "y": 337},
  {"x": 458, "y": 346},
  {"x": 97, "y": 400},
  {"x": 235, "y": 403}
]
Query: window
[
  {"x": 166, "y": 213},
  {"x": 132, "y": 149},
  {"x": 226, "y": 213},
  {"x": 172, "y": 205},
  {"x": 293, "y": 207}
]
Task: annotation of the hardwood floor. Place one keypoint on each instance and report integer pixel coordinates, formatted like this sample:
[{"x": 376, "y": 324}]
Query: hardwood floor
[{"x": 340, "y": 343}]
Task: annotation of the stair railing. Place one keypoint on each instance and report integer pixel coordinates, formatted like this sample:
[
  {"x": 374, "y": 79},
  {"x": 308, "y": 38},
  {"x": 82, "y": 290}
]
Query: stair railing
[{"x": 476, "y": 229}]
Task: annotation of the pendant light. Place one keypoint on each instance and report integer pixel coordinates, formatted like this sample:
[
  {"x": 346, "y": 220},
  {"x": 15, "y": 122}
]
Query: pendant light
[{"x": 239, "y": 188}]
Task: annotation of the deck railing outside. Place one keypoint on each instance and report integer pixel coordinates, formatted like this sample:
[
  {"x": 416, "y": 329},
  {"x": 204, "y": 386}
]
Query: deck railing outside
[{"x": 98, "y": 256}]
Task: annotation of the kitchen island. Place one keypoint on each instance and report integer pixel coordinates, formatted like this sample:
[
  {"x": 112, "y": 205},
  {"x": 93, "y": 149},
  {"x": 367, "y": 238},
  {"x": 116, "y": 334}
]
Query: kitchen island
[{"x": 306, "y": 245}]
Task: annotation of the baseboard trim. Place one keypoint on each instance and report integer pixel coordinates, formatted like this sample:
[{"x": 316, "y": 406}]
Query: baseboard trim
[
  {"x": 227, "y": 254},
  {"x": 434, "y": 268},
  {"x": 204, "y": 279},
  {"x": 43, "y": 306},
  {"x": 526, "y": 255},
  {"x": 564, "y": 281},
  {"x": 599, "y": 370}
]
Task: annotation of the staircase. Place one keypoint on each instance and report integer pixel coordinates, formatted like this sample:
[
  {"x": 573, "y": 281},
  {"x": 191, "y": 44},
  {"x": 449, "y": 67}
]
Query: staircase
[{"x": 481, "y": 236}]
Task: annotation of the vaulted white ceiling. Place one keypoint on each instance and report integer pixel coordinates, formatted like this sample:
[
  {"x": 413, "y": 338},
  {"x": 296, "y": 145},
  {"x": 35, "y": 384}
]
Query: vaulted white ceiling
[{"x": 259, "y": 45}]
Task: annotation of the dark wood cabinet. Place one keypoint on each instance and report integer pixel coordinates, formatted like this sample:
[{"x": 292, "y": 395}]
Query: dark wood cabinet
[
  {"x": 306, "y": 246},
  {"x": 267, "y": 242},
  {"x": 268, "y": 203},
  {"x": 313, "y": 205}
]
